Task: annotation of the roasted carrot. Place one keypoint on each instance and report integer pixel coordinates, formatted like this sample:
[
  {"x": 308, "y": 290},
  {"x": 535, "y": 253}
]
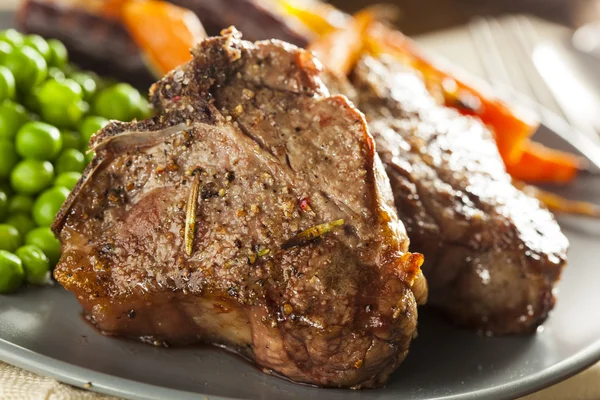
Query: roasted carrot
[
  {"x": 541, "y": 164},
  {"x": 319, "y": 17},
  {"x": 110, "y": 8},
  {"x": 559, "y": 204},
  {"x": 340, "y": 49},
  {"x": 163, "y": 31}
]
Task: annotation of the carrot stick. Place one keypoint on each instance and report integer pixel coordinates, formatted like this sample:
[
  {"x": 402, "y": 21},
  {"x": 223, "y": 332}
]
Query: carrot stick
[
  {"x": 110, "y": 8},
  {"x": 340, "y": 49},
  {"x": 319, "y": 17},
  {"x": 544, "y": 165},
  {"x": 163, "y": 31},
  {"x": 559, "y": 204}
]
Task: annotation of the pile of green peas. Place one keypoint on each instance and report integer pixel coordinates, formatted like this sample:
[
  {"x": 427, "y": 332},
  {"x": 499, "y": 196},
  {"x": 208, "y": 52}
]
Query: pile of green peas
[{"x": 49, "y": 110}]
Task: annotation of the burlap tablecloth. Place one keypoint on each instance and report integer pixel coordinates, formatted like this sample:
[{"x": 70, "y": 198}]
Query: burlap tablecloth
[{"x": 18, "y": 384}]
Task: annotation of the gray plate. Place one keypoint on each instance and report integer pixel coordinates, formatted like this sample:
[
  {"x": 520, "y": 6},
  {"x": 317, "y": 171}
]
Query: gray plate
[{"x": 42, "y": 330}]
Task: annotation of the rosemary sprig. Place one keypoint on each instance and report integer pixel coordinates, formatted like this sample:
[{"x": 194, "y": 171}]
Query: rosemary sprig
[
  {"x": 310, "y": 234},
  {"x": 190, "y": 215}
]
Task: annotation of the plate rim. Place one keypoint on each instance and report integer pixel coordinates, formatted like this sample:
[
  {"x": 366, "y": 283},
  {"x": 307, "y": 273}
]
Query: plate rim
[
  {"x": 80, "y": 377},
  {"x": 126, "y": 388}
]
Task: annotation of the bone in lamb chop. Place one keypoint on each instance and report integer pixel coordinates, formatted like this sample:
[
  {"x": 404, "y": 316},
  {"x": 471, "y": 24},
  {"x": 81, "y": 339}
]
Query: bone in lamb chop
[
  {"x": 254, "y": 213},
  {"x": 492, "y": 253}
]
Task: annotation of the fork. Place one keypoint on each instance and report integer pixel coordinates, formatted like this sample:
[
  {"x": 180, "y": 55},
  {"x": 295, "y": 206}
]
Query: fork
[{"x": 512, "y": 54}]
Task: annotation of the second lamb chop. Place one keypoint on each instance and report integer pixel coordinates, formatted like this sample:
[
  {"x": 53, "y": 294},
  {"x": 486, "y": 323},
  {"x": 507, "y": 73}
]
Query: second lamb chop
[{"x": 493, "y": 253}]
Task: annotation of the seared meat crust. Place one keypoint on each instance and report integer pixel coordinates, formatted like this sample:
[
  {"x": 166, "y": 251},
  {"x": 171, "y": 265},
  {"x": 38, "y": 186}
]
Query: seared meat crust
[{"x": 272, "y": 154}]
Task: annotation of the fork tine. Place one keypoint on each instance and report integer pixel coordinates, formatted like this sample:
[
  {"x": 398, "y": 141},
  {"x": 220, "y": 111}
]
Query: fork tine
[
  {"x": 520, "y": 38},
  {"x": 566, "y": 106},
  {"x": 524, "y": 45},
  {"x": 494, "y": 65},
  {"x": 488, "y": 52}
]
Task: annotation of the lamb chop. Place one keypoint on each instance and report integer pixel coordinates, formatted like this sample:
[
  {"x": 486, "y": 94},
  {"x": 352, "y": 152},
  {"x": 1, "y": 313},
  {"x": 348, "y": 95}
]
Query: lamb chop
[
  {"x": 252, "y": 213},
  {"x": 493, "y": 254}
]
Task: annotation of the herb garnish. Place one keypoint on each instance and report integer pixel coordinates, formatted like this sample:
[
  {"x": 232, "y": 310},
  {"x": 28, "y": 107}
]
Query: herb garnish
[
  {"x": 190, "y": 215},
  {"x": 311, "y": 234}
]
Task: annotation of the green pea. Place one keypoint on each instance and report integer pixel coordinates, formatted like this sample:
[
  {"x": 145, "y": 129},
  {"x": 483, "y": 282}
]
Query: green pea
[
  {"x": 11, "y": 272},
  {"x": 87, "y": 83},
  {"x": 13, "y": 37},
  {"x": 22, "y": 222},
  {"x": 12, "y": 117},
  {"x": 35, "y": 264},
  {"x": 48, "y": 204},
  {"x": 56, "y": 73},
  {"x": 20, "y": 203},
  {"x": 69, "y": 69},
  {"x": 144, "y": 110},
  {"x": 32, "y": 176},
  {"x": 67, "y": 180},
  {"x": 71, "y": 139},
  {"x": 84, "y": 107},
  {"x": 28, "y": 67},
  {"x": 39, "y": 141},
  {"x": 70, "y": 160},
  {"x": 30, "y": 100},
  {"x": 40, "y": 45},
  {"x": 6, "y": 188},
  {"x": 89, "y": 127},
  {"x": 4, "y": 206},
  {"x": 120, "y": 102},
  {"x": 61, "y": 102},
  {"x": 45, "y": 240},
  {"x": 9, "y": 237},
  {"x": 5, "y": 50},
  {"x": 61, "y": 91},
  {"x": 67, "y": 116},
  {"x": 7, "y": 84},
  {"x": 58, "y": 53},
  {"x": 8, "y": 158},
  {"x": 101, "y": 82}
]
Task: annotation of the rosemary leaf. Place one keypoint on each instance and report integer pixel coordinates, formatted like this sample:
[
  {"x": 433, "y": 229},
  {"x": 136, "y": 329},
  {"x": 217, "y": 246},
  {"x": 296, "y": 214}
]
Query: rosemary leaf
[
  {"x": 190, "y": 216},
  {"x": 312, "y": 233},
  {"x": 263, "y": 252}
]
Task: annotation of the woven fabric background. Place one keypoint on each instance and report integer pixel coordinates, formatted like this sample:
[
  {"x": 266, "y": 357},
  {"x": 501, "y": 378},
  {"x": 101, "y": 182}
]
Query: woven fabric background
[{"x": 18, "y": 384}]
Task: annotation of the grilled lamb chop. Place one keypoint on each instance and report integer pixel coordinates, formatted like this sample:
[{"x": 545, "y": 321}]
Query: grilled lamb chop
[
  {"x": 493, "y": 254},
  {"x": 220, "y": 221}
]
